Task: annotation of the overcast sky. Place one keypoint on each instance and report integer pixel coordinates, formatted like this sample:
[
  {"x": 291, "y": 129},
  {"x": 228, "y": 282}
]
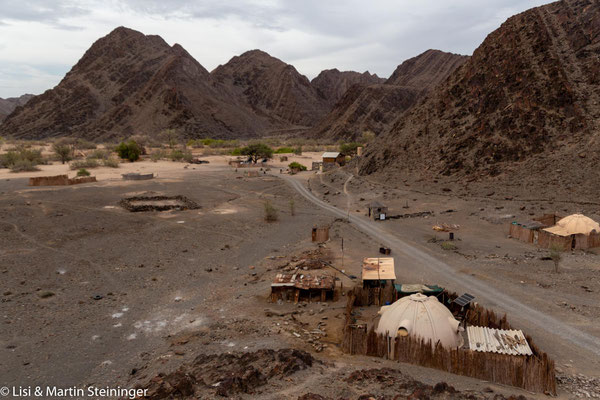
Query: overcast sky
[{"x": 40, "y": 40}]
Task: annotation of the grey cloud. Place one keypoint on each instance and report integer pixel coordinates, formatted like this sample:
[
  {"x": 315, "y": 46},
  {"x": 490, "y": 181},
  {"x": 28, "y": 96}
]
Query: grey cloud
[{"x": 40, "y": 11}]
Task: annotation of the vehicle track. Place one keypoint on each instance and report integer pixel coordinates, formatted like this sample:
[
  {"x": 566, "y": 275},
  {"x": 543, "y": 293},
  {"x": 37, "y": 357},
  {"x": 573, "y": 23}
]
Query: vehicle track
[{"x": 495, "y": 297}]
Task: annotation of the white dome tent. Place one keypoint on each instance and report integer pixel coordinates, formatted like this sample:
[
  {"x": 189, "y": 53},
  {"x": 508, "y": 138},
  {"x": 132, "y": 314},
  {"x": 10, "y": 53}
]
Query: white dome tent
[{"x": 423, "y": 317}]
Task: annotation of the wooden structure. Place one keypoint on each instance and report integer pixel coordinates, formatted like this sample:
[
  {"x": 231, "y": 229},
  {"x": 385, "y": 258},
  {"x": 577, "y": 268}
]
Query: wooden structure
[
  {"x": 320, "y": 235},
  {"x": 377, "y": 210},
  {"x": 546, "y": 232},
  {"x": 378, "y": 272},
  {"x": 332, "y": 160},
  {"x": 297, "y": 286},
  {"x": 533, "y": 372}
]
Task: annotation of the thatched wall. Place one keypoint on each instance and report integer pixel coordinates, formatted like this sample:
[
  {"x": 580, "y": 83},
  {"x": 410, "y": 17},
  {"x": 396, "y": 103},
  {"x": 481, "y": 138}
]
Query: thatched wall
[{"x": 534, "y": 373}]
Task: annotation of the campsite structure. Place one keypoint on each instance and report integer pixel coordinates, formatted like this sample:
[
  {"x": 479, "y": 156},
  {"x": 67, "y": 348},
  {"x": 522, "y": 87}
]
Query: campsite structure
[
  {"x": 297, "y": 286},
  {"x": 573, "y": 232},
  {"x": 378, "y": 272},
  {"x": 332, "y": 159},
  {"x": 377, "y": 210}
]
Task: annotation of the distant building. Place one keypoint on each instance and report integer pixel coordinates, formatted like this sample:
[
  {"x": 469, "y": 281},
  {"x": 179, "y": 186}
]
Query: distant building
[
  {"x": 332, "y": 159},
  {"x": 377, "y": 210},
  {"x": 573, "y": 232}
]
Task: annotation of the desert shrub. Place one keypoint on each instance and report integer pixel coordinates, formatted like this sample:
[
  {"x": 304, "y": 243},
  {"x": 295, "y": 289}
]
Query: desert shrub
[
  {"x": 194, "y": 143},
  {"x": 129, "y": 151},
  {"x": 181, "y": 155},
  {"x": 21, "y": 158},
  {"x": 298, "y": 151},
  {"x": 83, "y": 144},
  {"x": 297, "y": 165},
  {"x": 368, "y": 136},
  {"x": 270, "y": 212},
  {"x": 217, "y": 143},
  {"x": 236, "y": 152},
  {"x": 145, "y": 142},
  {"x": 87, "y": 163},
  {"x": 284, "y": 150},
  {"x": 23, "y": 165},
  {"x": 62, "y": 151},
  {"x": 158, "y": 155},
  {"x": 556, "y": 255},
  {"x": 83, "y": 172},
  {"x": 111, "y": 162},
  {"x": 170, "y": 136},
  {"x": 448, "y": 246},
  {"x": 99, "y": 154},
  {"x": 349, "y": 149}
]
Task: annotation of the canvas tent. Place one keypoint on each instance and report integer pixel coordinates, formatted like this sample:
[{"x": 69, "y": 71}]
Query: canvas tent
[{"x": 573, "y": 232}]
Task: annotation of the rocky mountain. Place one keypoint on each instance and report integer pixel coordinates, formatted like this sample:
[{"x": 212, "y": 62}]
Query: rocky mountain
[
  {"x": 524, "y": 108},
  {"x": 332, "y": 84},
  {"x": 8, "y": 105},
  {"x": 129, "y": 83},
  {"x": 375, "y": 107},
  {"x": 272, "y": 88}
]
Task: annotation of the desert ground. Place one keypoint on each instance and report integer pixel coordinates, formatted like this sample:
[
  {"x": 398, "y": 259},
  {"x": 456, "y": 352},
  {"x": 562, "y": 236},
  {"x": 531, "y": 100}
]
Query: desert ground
[{"x": 92, "y": 294}]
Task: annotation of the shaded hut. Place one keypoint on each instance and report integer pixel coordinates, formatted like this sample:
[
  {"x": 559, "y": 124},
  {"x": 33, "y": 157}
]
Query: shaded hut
[
  {"x": 378, "y": 272},
  {"x": 573, "y": 232},
  {"x": 377, "y": 210},
  {"x": 299, "y": 287}
]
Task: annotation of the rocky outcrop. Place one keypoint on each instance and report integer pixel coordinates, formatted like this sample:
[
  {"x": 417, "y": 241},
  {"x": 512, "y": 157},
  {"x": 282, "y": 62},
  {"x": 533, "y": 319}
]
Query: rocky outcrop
[
  {"x": 375, "y": 107},
  {"x": 332, "y": 84},
  {"x": 273, "y": 89},
  {"x": 524, "y": 107},
  {"x": 8, "y": 105}
]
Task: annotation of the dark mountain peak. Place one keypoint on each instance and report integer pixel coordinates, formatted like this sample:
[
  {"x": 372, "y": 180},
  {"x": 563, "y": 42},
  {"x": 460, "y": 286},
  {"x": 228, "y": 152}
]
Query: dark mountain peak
[
  {"x": 332, "y": 84},
  {"x": 426, "y": 70}
]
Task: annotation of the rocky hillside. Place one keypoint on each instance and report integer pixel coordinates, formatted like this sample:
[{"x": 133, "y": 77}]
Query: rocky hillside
[
  {"x": 129, "y": 83},
  {"x": 332, "y": 84},
  {"x": 524, "y": 107},
  {"x": 272, "y": 88},
  {"x": 375, "y": 107},
  {"x": 8, "y": 105}
]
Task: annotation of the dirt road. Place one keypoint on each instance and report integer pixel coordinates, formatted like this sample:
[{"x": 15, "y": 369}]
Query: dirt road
[{"x": 544, "y": 323}]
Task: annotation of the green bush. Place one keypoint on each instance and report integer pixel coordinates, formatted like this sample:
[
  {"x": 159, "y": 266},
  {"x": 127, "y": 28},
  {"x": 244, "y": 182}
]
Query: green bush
[
  {"x": 298, "y": 151},
  {"x": 181, "y": 155},
  {"x": 111, "y": 162},
  {"x": 297, "y": 165},
  {"x": 23, "y": 165},
  {"x": 284, "y": 150},
  {"x": 349, "y": 149},
  {"x": 270, "y": 212},
  {"x": 20, "y": 158},
  {"x": 87, "y": 163},
  {"x": 129, "y": 151},
  {"x": 236, "y": 152},
  {"x": 448, "y": 246},
  {"x": 83, "y": 172}
]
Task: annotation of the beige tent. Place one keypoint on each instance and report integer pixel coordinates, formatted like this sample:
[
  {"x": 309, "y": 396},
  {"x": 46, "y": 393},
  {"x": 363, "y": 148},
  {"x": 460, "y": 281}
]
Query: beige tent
[
  {"x": 574, "y": 225},
  {"x": 420, "y": 316}
]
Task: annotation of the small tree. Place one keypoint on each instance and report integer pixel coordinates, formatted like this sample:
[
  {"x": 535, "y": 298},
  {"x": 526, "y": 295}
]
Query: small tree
[
  {"x": 257, "y": 151},
  {"x": 367, "y": 136},
  {"x": 556, "y": 256},
  {"x": 62, "y": 151},
  {"x": 170, "y": 136},
  {"x": 296, "y": 166},
  {"x": 270, "y": 212},
  {"x": 129, "y": 151},
  {"x": 83, "y": 172}
]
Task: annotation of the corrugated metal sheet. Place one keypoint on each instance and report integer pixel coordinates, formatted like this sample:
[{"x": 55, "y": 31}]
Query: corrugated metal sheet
[
  {"x": 330, "y": 154},
  {"x": 498, "y": 341}
]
